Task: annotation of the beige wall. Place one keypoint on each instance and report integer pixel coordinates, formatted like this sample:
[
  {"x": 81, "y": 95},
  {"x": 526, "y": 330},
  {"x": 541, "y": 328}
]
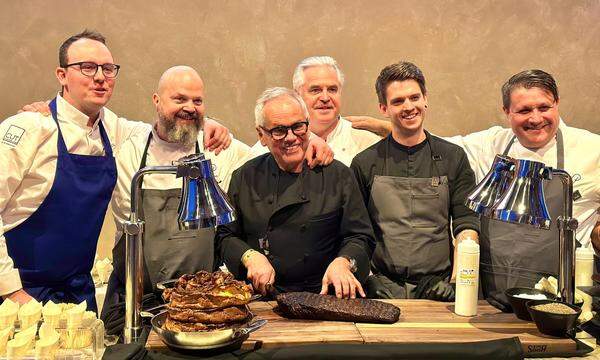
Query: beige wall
[{"x": 467, "y": 49}]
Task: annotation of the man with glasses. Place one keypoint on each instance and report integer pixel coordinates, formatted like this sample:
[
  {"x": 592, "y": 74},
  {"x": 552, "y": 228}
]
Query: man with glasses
[
  {"x": 59, "y": 174},
  {"x": 297, "y": 229},
  {"x": 319, "y": 81}
]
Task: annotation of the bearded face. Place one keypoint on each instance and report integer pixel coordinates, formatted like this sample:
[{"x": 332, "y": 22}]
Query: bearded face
[{"x": 181, "y": 127}]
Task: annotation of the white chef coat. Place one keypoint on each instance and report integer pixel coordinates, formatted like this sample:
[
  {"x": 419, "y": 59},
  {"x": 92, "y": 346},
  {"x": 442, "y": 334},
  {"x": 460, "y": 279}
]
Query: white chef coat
[
  {"x": 582, "y": 162},
  {"x": 161, "y": 152},
  {"x": 344, "y": 140},
  {"x": 28, "y": 153}
]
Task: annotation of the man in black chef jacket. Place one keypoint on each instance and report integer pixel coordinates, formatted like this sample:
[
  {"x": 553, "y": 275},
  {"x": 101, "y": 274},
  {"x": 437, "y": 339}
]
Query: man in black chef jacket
[
  {"x": 297, "y": 229},
  {"x": 413, "y": 184}
]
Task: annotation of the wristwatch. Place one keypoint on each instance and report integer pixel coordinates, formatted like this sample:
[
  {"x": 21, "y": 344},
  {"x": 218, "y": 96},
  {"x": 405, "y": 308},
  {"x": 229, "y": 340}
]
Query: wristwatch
[{"x": 353, "y": 267}]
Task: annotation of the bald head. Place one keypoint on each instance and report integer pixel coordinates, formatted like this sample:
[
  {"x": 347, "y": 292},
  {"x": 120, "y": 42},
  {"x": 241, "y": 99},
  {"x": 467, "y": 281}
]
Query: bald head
[
  {"x": 178, "y": 75},
  {"x": 179, "y": 101}
]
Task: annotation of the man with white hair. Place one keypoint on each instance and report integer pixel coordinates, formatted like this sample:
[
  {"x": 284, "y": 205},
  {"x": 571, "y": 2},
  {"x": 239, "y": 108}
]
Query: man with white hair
[
  {"x": 319, "y": 80},
  {"x": 297, "y": 229}
]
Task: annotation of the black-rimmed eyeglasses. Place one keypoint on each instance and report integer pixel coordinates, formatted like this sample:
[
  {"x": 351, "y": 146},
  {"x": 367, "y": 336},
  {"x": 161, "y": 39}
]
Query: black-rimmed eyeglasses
[
  {"x": 90, "y": 69},
  {"x": 279, "y": 132}
]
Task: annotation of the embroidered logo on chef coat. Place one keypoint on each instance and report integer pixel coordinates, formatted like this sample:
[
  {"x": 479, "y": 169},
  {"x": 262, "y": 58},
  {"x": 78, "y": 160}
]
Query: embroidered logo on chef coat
[{"x": 13, "y": 136}]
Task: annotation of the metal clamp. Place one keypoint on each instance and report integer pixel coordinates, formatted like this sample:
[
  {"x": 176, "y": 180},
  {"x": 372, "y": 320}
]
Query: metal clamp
[{"x": 133, "y": 227}]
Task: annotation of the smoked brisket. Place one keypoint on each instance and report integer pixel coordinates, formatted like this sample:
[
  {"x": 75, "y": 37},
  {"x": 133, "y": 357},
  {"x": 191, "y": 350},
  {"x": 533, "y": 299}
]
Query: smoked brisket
[{"x": 305, "y": 305}]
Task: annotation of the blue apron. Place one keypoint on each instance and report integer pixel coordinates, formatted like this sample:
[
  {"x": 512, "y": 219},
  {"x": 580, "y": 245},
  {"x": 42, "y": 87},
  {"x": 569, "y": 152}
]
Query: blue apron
[{"x": 54, "y": 248}]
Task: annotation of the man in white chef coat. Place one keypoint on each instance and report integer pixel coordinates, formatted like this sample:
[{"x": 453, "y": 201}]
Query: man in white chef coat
[
  {"x": 319, "y": 81},
  {"x": 517, "y": 255},
  {"x": 59, "y": 174}
]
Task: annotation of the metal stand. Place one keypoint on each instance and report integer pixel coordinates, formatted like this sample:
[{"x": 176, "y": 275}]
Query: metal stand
[
  {"x": 134, "y": 256},
  {"x": 566, "y": 239}
]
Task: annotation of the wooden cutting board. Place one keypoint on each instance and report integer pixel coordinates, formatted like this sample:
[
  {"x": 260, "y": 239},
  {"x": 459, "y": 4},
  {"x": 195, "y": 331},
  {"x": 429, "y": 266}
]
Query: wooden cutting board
[{"x": 421, "y": 321}]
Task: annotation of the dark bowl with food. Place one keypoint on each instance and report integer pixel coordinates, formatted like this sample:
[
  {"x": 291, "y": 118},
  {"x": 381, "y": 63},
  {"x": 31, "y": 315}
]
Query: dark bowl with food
[
  {"x": 518, "y": 302},
  {"x": 553, "y": 317}
]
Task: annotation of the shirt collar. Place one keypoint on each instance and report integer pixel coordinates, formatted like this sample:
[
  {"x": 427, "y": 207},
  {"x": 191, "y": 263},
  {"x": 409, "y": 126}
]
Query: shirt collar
[
  {"x": 408, "y": 149},
  {"x": 336, "y": 130},
  {"x": 67, "y": 112}
]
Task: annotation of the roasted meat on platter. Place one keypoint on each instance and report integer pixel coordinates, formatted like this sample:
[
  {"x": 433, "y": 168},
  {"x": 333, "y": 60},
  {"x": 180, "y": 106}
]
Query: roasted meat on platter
[{"x": 207, "y": 301}]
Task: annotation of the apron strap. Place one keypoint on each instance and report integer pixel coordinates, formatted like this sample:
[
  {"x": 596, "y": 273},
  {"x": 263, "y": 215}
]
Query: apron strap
[
  {"x": 145, "y": 154},
  {"x": 61, "y": 142}
]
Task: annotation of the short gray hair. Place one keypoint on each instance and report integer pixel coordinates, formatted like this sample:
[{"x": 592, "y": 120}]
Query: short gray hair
[
  {"x": 271, "y": 94},
  {"x": 298, "y": 78}
]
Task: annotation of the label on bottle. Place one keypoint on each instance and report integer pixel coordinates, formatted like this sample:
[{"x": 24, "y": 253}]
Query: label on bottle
[{"x": 467, "y": 277}]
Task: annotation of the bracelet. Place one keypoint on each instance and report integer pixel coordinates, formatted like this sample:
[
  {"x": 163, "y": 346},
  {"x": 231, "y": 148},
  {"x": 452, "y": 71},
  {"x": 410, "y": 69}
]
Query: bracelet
[{"x": 247, "y": 255}]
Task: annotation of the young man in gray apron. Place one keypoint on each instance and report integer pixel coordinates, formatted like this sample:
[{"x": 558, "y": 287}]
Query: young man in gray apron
[{"x": 413, "y": 184}]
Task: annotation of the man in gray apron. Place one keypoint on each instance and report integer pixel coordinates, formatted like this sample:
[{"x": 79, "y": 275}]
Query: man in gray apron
[
  {"x": 516, "y": 255},
  {"x": 413, "y": 183},
  {"x": 168, "y": 252}
]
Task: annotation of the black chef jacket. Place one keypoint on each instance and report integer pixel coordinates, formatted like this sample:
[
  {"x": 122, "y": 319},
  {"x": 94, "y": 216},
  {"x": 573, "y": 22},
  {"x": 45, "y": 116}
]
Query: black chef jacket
[
  {"x": 416, "y": 161},
  {"x": 307, "y": 220}
]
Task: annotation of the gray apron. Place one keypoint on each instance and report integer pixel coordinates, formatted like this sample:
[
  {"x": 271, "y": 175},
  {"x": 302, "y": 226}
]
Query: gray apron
[
  {"x": 168, "y": 252},
  {"x": 410, "y": 218},
  {"x": 515, "y": 255}
]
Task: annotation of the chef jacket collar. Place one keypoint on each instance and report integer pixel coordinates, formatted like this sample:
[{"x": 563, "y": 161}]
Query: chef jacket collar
[
  {"x": 337, "y": 129},
  {"x": 408, "y": 149},
  {"x": 68, "y": 113},
  {"x": 295, "y": 194}
]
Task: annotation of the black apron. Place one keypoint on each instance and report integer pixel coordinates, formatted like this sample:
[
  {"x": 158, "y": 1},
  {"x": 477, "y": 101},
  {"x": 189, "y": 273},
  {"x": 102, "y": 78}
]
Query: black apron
[
  {"x": 514, "y": 255},
  {"x": 411, "y": 222},
  {"x": 168, "y": 252}
]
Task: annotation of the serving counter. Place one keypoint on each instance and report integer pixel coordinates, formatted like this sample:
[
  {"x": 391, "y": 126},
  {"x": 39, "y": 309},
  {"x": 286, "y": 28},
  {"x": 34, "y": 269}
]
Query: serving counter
[{"x": 421, "y": 322}]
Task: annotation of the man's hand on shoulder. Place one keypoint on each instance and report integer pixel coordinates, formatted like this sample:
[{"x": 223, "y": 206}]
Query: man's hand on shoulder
[
  {"x": 318, "y": 153},
  {"x": 38, "y": 106},
  {"x": 377, "y": 126},
  {"x": 260, "y": 271},
  {"x": 339, "y": 275},
  {"x": 20, "y": 296},
  {"x": 216, "y": 136}
]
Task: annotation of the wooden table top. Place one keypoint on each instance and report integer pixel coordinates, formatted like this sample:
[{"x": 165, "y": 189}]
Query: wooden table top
[{"x": 421, "y": 321}]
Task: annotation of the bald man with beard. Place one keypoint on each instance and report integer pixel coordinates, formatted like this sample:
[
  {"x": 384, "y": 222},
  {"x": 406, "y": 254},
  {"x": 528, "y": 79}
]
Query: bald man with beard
[{"x": 168, "y": 252}]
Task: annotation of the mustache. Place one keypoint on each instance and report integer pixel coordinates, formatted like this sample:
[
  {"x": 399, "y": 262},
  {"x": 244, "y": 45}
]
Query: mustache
[{"x": 187, "y": 115}]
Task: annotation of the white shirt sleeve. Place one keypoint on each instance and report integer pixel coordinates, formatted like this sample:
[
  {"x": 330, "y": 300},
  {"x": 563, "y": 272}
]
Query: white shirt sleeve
[
  {"x": 229, "y": 160},
  {"x": 126, "y": 129},
  {"x": 19, "y": 142},
  {"x": 480, "y": 149}
]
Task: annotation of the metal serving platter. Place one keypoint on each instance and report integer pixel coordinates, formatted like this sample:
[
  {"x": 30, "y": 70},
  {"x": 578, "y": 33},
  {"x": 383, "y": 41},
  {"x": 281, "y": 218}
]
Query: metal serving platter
[{"x": 203, "y": 340}]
